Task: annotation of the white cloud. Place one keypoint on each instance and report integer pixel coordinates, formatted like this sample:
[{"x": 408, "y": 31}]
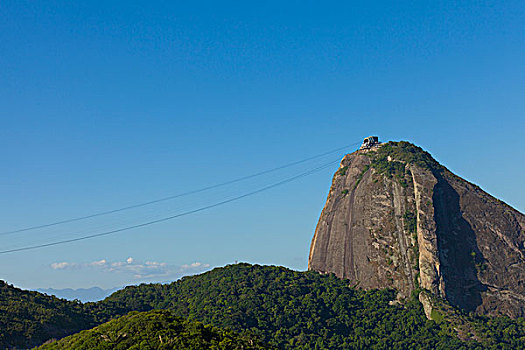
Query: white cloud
[
  {"x": 195, "y": 265},
  {"x": 62, "y": 265},
  {"x": 139, "y": 270},
  {"x": 99, "y": 263}
]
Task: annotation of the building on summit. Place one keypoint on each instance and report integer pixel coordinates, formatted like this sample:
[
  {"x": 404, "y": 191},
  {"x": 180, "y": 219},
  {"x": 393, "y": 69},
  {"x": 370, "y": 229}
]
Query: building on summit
[{"x": 369, "y": 142}]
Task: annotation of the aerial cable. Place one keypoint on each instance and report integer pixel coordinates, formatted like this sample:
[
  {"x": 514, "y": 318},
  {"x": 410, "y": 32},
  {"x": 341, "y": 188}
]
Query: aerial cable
[
  {"x": 309, "y": 172},
  {"x": 177, "y": 195}
]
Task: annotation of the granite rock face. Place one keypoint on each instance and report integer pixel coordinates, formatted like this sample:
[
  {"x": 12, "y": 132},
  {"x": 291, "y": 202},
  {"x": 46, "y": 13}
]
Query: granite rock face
[{"x": 395, "y": 218}]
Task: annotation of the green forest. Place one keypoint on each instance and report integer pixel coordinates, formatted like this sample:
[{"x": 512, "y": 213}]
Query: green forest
[
  {"x": 283, "y": 308},
  {"x": 157, "y": 329},
  {"x": 30, "y": 318}
]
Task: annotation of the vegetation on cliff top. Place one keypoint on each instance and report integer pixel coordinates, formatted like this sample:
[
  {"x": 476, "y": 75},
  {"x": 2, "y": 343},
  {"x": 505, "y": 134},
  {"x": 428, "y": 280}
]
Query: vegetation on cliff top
[
  {"x": 401, "y": 153},
  {"x": 158, "y": 329}
]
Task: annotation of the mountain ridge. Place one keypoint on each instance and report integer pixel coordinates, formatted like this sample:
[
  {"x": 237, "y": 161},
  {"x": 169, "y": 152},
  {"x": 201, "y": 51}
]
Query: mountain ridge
[
  {"x": 284, "y": 308},
  {"x": 82, "y": 294}
]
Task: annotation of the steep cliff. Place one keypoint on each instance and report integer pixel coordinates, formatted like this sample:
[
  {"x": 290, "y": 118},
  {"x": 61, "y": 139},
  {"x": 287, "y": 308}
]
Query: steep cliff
[{"x": 396, "y": 218}]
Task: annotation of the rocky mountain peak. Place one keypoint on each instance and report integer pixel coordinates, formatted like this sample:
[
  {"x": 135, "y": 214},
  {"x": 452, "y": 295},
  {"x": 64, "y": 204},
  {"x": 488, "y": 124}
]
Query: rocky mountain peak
[{"x": 396, "y": 218}]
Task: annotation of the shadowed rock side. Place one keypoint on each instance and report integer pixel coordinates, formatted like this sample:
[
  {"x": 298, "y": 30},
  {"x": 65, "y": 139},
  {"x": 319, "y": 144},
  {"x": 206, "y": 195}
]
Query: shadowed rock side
[
  {"x": 483, "y": 253},
  {"x": 395, "y": 218}
]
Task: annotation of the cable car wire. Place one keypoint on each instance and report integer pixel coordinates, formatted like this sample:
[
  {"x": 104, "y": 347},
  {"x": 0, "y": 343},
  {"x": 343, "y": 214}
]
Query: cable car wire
[
  {"x": 214, "y": 205},
  {"x": 176, "y": 195}
]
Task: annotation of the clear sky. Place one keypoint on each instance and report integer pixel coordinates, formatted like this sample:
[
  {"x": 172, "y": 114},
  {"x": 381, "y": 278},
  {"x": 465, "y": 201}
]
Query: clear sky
[{"x": 105, "y": 104}]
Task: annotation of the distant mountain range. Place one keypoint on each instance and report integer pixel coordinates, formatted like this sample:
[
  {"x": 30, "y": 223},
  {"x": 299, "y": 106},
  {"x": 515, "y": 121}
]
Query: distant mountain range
[{"x": 82, "y": 294}]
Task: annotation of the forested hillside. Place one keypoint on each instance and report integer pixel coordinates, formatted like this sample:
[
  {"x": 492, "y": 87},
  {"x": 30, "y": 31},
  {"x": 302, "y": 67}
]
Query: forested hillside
[
  {"x": 284, "y": 308},
  {"x": 305, "y": 310},
  {"x": 157, "y": 329},
  {"x": 30, "y": 318}
]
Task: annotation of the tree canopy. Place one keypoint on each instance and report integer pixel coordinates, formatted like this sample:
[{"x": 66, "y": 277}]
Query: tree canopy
[
  {"x": 284, "y": 308},
  {"x": 157, "y": 329}
]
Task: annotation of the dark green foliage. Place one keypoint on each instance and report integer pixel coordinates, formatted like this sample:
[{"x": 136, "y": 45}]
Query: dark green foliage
[
  {"x": 342, "y": 171},
  {"x": 388, "y": 168},
  {"x": 501, "y": 332},
  {"x": 410, "y": 221},
  {"x": 401, "y": 153},
  {"x": 158, "y": 329},
  {"x": 436, "y": 316},
  {"x": 288, "y": 309},
  {"x": 30, "y": 318}
]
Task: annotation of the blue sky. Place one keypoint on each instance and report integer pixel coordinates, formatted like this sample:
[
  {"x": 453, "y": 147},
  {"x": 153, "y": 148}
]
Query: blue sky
[{"x": 111, "y": 103}]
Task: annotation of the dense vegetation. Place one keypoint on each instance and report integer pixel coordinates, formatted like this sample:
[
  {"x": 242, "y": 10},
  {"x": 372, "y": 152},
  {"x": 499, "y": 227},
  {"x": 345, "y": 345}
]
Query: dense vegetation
[
  {"x": 290, "y": 309},
  {"x": 287, "y": 309},
  {"x": 501, "y": 332},
  {"x": 401, "y": 153},
  {"x": 30, "y": 318},
  {"x": 158, "y": 329}
]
